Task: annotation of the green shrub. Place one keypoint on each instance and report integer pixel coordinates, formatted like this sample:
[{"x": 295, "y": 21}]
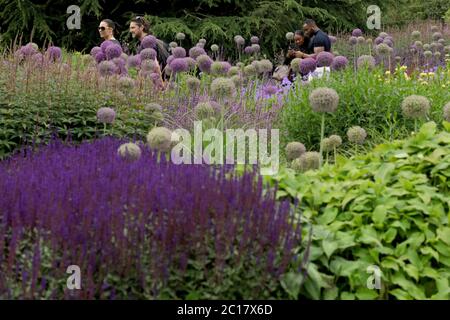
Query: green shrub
[{"x": 390, "y": 209}]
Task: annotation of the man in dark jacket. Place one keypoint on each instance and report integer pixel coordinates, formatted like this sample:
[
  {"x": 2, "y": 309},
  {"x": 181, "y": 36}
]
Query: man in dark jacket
[{"x": 319, "y": 40}]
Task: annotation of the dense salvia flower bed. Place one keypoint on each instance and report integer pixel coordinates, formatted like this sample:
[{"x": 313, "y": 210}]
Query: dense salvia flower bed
[{"x": 135, "y": 228}]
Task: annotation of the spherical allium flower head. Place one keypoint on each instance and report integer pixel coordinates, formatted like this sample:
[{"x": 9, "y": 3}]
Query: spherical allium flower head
[
  {"x": 223, "y": 87},
  {"x": 294, "y": 150},
  {"x": 148, "y": 42},
  {"x": 416, "y": 35},
  {"x": 124, "y": 56},
  {"x": 378, "y": 40},
  {"x": 428, "y": 54},
  {"x": 233, "y": 71},
  {"x": 434, "y": 28},
  {"x": 256, "y": 48},
  {"x": 254, "y": 40},
  {"x": 398, "y": 59},
  {"x": 436, "y": 36},
  {"x": 353, "y": 40},
  {"x": 34, "y": 45},
  {"x": 266, "y": 66},
  {"x": 270, "y": 90},
  {"x": 134, "y": 61},
  {"x": 192, "y": 83},
  {"x": 357, "y": 33},
  {"x": 169, "y": 59},
  {"x": 204, "y": 63},
  {"x": 339, "y": 63},
  {"x": 437, "y": 55},
  {"x": 200, "y": 45},
  {"x": 441, "y": 41},
  {"x": 324, "y": 100},
  {"x": 366, "y": 61},
  {"x": 382, "y": 49},
  {"x": 295, "y": 65},
  {"x": 237, "y": 80},
  {"x": 106, "y": 115},
  {"x": 218, "y": 68},
  {"x": 105, "y": 44},
  {"x": 119, "y": 62},
  {"x": 172, "y": 45},
  {"x": 433, "y": 46},
  {"x": 248, "y": 50},
  {"x": 447, "y": 49},
  {"x": 38, "y": 58},
  {"x": 54, "y": 53},
  {"x": 439, "y": 46},
  {"x": 388, "y": 42},
  {"x": 160, "y": 139},
  {"x": 99, "y": 57},
  {"x": 333, "y": 39},
  {"x": 179, "y": 52},
  {"x": 356, "y": 135},
  {"x": 191, "y": 63},
  {"x": 180, "y": 36},
  {"x": 250, "y": 70},
  {"x": 383, "y": 35},
  {"x": 361, "y": 40},
  {"x": 113, "y": 51},
  {"x": 204, "y": 110},
  {"x": 426, "y": 47},
  {"x": 148, "y": 66},
  {"x": 152, "y": 107},
  {"x": 324, "y": 59},
  {"x": 335, "y": 140},
  {"x": 126, "y": 82},
  {"x": 148, "y": 54},
  {"x": 289, "y": 36},
  {"x": 307, "y": 161},
  {"x": 95, "y": 50},
  {"x": 194, "y": 52},
  {"x": 239, "y": 40},
  {"x": 415, "y": 106},
  {"x": 203, "y": 41},
  {"x": 107, "y": 68},
  {"x": 446, "y": 111},
  {"x": 28, "y": 50},
  {"x": 179, "y": 65},
  {"x": 307, "y": 65},
  {"x": 129, "y": 151},
  {"x": 369, "y": 41},
  {"x": 214, "y": 48},
  {"x": 327, "y": 145},
  {"x": 418, "y": 44}
]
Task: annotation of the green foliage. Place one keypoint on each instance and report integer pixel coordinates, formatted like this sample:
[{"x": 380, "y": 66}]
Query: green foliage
[
  {"x": 389, "y": 209},
  {"x": 366, "y": 101}
]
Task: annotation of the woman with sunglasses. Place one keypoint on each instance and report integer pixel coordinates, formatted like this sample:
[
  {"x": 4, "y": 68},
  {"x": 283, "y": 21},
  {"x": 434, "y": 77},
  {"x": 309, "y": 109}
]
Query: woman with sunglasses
[{"x": 106, "y": 29}]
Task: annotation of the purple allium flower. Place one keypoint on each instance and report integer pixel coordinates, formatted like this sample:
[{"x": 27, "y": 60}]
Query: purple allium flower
[
  {"x": 366, "y": 61},
  {"x": 148, "y": 54},
  {"x": 204, "y": 63},
  {"x": 256, "y": 48},
  {"x": 357, "y": 33},
  {"x": 106, "y": 114},
  {"x": 324, "y": 59},
  {"x": 145, "y": 73},
  {"x": 179, "y": 65},
  {"x": 100, "y": 56},
  {"x": 148, "y": 65},
  {"x": 107, "y": 68},
  {"x": 179, "y": 52},
  {"x": 239, "y": 40},
  {"x": 270, "y": 90},
  {"x": 333, "y": 39},
  {"x": 105, "y": 44},
  {"x": 54, "y": 54},
  {"x": 249, "y": 50},
  {"x": 190, "y": 62},
  {"x": 38, "y": 58},
  {"x": 378, "y": 40},
  {"x": 126, "y": 82},
  {"x": 339, "y": 63},
  {"x": 28, "y": 50},
  {"x": 220, "y": 67},
  {"x": 134, "y": 61},
  {"x": 254, "y": 40},
  {"x": 307, "y": 65},
  {"x": 353, "y": 40},
  {"x": 95, "y": 50},
  {"x": 200, "y": 45},
  {"x": 113, "y": 51},
  {"x": 148, "y": 42},
  {"x": 383, "y": 35},
  {"x": 388, "y": 42},
  {"x": 194, "y": 52}
]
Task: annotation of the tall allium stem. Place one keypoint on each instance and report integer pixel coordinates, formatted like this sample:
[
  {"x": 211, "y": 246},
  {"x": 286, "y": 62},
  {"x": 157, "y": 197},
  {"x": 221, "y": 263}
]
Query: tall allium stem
[{"x": 322, "y": 132}]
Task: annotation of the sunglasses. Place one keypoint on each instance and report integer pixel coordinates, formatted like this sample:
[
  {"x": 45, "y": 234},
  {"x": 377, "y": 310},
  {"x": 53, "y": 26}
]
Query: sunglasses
[{"x": 101, "y": 28}]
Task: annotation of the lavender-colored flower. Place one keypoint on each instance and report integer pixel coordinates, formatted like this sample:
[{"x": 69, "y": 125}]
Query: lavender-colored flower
[
  {"x": 249, "y": 50},
  {"x": 383, "y": 35},
  {"x": 339, "y": 63},
  {"x": 148, "y": 54},
  {"x": 191, "y": 63},
  {"x": 149, "y": 42},
  {"x": 148, "y": 66},
  {"x": 169, "y": 59},
  {"x": 106, "y": 114},
  {"x": 107, "y": 68},
  {"x": 105, "y": 44},
  {"x": 269, "y": 90},
  {"x": 134, "y": 61},
  {"x": 99, "y": 57},
  {"x": 113, "y": 51},
  {"x": 28, "y": 50},
  {"x": 353, "y": 40},
  {"x": 388, "y": 42},
  {"x": 179, "y": 52},
  {"x": 357, "y": 33},
  {"x": 254, "y": 40},
  {"x": 95, "y": 50},
  {"x": 38, "y": 58},
  {"x": 194, "y": 52},
  {"x": 256, "y": 48},
  {"x": 179, "y": 65},
  {"x": 54, "y": 53},
  {"x": 324, "y": 59},
  {"x": 378, "y": 40},
  {"x": 366, "y": 61},
  {"x": 204, "y": 63},
  {"x": 307, "y": 65}
]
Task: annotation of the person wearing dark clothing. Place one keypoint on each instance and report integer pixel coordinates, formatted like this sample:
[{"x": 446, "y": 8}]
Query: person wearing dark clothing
[
  {"x": 106, "y": 30},
  {"x": 301, "y": 44},
  {"x": 319, "y": 40}
]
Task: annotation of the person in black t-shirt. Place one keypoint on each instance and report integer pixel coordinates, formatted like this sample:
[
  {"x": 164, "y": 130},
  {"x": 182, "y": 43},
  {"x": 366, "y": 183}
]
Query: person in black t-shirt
[
  {"x": 301, "y": 44},
  {"x": 106, "y": 30},
  {"x": 319, "y": 40}
]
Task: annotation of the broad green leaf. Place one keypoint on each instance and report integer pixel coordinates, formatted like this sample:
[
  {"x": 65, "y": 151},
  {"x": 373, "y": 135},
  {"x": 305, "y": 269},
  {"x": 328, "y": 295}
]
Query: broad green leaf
[
  {"x": 347, "y": 296},
  {"x": 444, "y": 234},
  {"x": 379, "y": 214},
  {"x": 329, "y": 246},
  {"x": 328, "y": 216},
  {"x": 389, "y": 235},
  {"x": 367, "y": 294}
]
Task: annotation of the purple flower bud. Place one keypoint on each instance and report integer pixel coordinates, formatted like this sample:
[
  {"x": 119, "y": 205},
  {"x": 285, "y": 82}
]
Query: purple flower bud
[
  {"x": 105, "y": 44},
  {"x": 113, "y": 51},
  {"x": 339, "y": 63},
  {"x": 324, "y": 59},
  {"x": 357, "y": 33},
  {"x": 179, "y": 65},
  {"x": 148, "y": 42},
  {"x": 179, "y": 52},
  {"x": 134, "y": 61},
  {"x": 148, "y": 54},
  {"x": 196, "y": 51},
  {"x": 105, "y": 114},
  {"x": 54, "y": 54},
  {"x": 95, "y": 50}
]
